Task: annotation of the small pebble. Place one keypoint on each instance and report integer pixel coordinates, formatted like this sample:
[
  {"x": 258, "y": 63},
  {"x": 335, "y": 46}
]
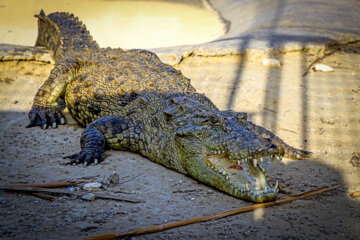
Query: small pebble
[
  {"x": 88, "y": 197},
  {"x": 323, "y": 68},
  {"x": 95, "y": 186},
  {"x": 271, "y": 62}
]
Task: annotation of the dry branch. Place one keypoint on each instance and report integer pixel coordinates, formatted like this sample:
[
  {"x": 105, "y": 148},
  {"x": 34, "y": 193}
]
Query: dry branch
[
  {"x": 48, "y": 185},
  {"x": 43, "y": 196},
  {"x": 97, "y": 195},
  {"x": 158, "y": 228}
]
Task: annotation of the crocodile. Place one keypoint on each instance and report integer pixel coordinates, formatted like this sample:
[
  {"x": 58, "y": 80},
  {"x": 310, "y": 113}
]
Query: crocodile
[{"x": 131, "y": 100}]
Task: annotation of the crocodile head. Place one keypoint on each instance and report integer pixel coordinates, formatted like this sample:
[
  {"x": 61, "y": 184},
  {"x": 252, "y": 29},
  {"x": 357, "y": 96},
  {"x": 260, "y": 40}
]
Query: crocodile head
[{"x": 220, "y": 149}]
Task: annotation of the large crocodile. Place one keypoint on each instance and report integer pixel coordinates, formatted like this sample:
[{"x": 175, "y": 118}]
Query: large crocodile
[{"x": 130, "y": 100}]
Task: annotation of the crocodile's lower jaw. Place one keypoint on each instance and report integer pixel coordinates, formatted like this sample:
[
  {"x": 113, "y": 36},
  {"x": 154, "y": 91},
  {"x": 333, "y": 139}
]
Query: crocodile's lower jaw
[{"x": 245, "y": 178}]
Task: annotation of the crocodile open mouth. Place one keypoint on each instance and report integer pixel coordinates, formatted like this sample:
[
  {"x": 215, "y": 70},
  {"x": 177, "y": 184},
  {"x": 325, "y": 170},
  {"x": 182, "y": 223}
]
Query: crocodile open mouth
[{"x": 246, "y": 175}]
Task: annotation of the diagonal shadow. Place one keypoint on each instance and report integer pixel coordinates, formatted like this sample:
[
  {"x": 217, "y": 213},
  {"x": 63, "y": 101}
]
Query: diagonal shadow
[{"x": 271, "y": 99}]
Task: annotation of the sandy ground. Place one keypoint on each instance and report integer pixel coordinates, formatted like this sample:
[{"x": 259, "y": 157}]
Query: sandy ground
[{"x": 317, "y": 111}]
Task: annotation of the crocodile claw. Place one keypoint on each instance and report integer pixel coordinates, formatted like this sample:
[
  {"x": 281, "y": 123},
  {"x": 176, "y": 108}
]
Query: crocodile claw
[
  {"x": 86, "y": 156},
  {"x": 45, "y": 116}
]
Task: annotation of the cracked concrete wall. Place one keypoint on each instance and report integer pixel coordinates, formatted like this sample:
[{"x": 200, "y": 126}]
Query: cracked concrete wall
[{"x": 282, "y": 24}]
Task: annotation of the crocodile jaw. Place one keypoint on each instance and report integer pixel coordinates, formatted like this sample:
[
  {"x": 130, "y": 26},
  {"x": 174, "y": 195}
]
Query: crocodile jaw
[{"x": 244, "y": 178}]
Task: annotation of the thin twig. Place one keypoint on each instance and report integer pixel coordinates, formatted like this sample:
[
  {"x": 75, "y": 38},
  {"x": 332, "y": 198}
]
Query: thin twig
[
  {"x": 46, "y": 185},
  {"x": 128, "y": 180},
  {"x": 158, "y": 228},
  {"x": 43, "y": 196},
  {"x": 49, "y": 184},
  {"x": 97, "y": 195}
]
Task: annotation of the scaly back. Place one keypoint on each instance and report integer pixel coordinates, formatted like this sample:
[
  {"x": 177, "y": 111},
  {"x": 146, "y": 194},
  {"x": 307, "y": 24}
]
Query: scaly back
[{"x": 64, "y": 34}]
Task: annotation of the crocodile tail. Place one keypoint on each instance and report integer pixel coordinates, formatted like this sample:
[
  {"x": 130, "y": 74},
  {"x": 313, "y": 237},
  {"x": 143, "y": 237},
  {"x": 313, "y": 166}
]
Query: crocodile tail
[{"x": 64, "y": 34}]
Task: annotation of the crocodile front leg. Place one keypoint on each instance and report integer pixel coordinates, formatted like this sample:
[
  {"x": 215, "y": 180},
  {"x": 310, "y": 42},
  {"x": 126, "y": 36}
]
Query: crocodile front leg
[
  {"x": 45, "y": 110},
  {"x": 112, "y": 132}
]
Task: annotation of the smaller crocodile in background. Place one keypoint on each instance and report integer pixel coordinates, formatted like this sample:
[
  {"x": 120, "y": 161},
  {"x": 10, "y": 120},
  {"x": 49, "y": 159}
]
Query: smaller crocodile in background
[{"x": 130, "y": 100}]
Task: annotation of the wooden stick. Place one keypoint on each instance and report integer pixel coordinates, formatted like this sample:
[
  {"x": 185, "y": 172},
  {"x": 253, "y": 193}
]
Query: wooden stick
[
  {"x": 158, "y": 228},
  {"x": 43, "y": 196},
  {"x": 48, "y": 185},
  {"x": 97, "y": 195},
  {"x": 355, "y": 194}
]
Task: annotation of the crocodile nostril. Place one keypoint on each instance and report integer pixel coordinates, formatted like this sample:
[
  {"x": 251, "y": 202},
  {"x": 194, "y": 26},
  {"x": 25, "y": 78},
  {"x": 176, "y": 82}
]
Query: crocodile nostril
[{"x": 271, "y": 145}]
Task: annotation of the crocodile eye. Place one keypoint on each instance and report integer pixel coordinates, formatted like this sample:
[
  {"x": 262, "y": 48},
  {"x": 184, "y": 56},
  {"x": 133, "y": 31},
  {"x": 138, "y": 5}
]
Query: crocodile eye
[
  {"x": 214, "y": 120},
  {"x": 211, "y": 120},
  {"x": 241, "y": 116}
]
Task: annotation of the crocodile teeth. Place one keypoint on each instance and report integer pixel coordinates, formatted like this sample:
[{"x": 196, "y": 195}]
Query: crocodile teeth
[
  {"x": 238, "y": 162},
  {"x": 265, "y": 189},
  {"x": 247, "y": 187},
  {"x": 276, "y": 185},
  {"x": 223, "y": 173},
  {"x": 255, "y": 162},
  {"x": 227, "y": 177},
  {"x": 261, "y": 159}
]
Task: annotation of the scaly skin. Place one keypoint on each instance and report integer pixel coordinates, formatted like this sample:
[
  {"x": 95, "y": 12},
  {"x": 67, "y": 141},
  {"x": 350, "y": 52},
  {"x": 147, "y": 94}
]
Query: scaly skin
[{"x": 130, "y": 100}]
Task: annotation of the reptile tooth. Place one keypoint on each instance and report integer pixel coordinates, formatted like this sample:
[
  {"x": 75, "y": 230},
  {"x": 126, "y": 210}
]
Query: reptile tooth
[
  {"x": 276, "y": 185},
  {"x": 227, "y": 177},
  {"x": 261, "y": 159},
  {"x": 247, "y": 187},
  {"x": 265, "y": 189},
  {"x": 238, "y": 162},
  {"x": 255, "y": 162}
]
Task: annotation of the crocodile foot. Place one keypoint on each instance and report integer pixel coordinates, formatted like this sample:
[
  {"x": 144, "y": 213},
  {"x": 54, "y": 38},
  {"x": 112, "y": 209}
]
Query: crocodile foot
[
  {"x": 86, "y": 156},
  {"x": 45, "y": 116}
]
